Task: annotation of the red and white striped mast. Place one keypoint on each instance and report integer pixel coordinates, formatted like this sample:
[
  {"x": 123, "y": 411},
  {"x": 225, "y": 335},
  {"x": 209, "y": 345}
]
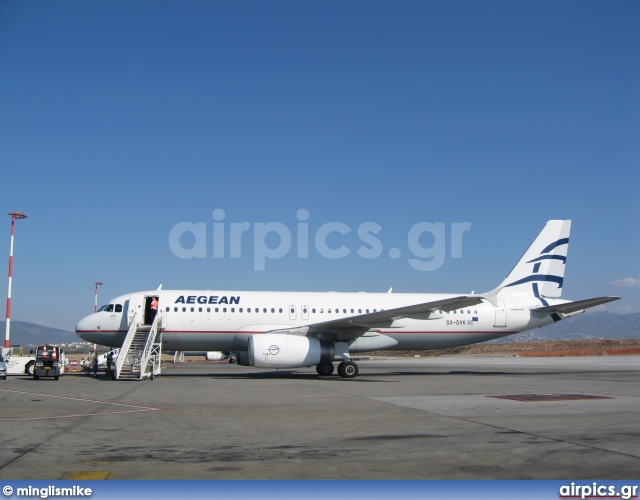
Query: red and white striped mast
[
  {"x": 14, "y": 216},
  {"x": 95, "y": 304}
]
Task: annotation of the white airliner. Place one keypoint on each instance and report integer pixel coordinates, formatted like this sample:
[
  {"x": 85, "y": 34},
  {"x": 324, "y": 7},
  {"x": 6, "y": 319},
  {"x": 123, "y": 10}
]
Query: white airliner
[{"x": 300, "y": 329}]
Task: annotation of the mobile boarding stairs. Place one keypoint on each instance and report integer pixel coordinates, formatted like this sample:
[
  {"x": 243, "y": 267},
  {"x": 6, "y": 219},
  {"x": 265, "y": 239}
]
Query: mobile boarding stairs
[{"x": 139, "y": 357}]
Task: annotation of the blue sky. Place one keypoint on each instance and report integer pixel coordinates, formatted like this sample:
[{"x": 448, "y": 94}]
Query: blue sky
[{"x": 123, "y": 119}]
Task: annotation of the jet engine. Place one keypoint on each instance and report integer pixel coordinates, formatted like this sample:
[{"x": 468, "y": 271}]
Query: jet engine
[
  {"x": 274, "y": 350},
  {"x": 215, "y": 356}
]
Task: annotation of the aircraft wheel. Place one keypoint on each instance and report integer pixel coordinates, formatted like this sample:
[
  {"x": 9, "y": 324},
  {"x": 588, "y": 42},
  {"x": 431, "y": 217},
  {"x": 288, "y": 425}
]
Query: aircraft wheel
[
  {"x": 325, "y": 369},
  {"x": 348, "y": 369}
]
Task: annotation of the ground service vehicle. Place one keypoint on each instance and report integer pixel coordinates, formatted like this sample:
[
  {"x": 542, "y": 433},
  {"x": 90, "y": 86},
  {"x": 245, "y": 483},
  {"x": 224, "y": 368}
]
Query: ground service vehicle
[
  {"x": 19, "y": 365},
  {"x": 48, "y": 362},
  {"x": 3, "y": 368}
]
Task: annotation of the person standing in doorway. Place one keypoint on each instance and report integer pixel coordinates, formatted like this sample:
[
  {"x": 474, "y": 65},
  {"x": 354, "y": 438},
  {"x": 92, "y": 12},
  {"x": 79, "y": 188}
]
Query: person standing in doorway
[{"x": 153, "y": 309}]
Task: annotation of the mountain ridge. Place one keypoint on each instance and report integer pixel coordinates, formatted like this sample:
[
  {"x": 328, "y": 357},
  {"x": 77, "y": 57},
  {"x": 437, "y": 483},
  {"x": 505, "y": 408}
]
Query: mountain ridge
[{"x": 25, "y": 333}]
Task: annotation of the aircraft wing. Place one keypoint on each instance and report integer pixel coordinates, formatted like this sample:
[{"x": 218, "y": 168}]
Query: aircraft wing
[
  {"x": 351, "y": 327},
  {"x": 570, "y": 307},
  {"x": 417, "y": 311}
]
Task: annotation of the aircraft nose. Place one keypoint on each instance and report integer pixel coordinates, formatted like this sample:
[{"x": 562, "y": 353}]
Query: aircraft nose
[{"x": 84, "y": 326}]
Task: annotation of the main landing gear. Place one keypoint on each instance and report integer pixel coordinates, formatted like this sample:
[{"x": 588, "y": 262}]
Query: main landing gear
[{"x": 346, "y": 369}]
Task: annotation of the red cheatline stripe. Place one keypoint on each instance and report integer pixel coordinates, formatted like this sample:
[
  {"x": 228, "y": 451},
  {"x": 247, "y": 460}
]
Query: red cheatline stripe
[{"x": 382, "y": 332}]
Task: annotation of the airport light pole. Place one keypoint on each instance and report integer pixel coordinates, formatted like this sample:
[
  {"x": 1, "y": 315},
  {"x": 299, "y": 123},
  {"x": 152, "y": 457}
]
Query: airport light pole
[
  {"x": 14, "y": 216},
  {"x": 95, "y": 307}
]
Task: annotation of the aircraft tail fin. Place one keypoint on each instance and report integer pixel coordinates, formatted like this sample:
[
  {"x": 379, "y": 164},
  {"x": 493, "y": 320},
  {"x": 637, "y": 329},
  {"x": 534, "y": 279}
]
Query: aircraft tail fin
[{"x": 540, "y": 271}]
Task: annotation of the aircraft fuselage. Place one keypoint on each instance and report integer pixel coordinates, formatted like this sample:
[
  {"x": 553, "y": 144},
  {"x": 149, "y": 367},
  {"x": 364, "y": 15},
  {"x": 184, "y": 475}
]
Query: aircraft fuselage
[{"x": 222, "y": 321}]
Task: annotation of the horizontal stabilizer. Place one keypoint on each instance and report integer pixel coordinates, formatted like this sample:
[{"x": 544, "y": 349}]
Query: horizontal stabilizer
[{"x": 570, "y": 307}]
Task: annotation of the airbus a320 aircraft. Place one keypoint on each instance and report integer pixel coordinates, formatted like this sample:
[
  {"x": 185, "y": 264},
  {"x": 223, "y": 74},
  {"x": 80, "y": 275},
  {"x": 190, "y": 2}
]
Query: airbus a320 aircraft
[{"x": 300, "y": 329}]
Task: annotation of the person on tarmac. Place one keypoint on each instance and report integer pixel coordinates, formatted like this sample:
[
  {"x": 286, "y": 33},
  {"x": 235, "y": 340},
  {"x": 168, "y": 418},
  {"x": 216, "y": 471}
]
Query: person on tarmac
[{"x": 109, "y": 360}]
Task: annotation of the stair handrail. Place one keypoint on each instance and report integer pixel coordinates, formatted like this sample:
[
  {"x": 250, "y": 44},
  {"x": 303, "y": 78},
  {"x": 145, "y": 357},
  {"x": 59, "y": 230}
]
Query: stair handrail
[
  {"x": 126, "y": 345},
  {"x": 153, "y": 332}
]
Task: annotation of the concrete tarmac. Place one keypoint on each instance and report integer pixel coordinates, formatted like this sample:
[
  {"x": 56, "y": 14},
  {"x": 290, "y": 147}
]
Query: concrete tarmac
[{"x": 417, "y": 418}]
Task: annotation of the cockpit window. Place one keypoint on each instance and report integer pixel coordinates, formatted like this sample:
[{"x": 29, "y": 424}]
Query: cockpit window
[{"x": 111, "y": 308}]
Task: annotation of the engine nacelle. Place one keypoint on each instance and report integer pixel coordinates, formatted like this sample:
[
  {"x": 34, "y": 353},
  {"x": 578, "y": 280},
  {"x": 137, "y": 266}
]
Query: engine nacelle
[
  {"x": 274, "y": 350},
  {"x": 215, "y": 356}
]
